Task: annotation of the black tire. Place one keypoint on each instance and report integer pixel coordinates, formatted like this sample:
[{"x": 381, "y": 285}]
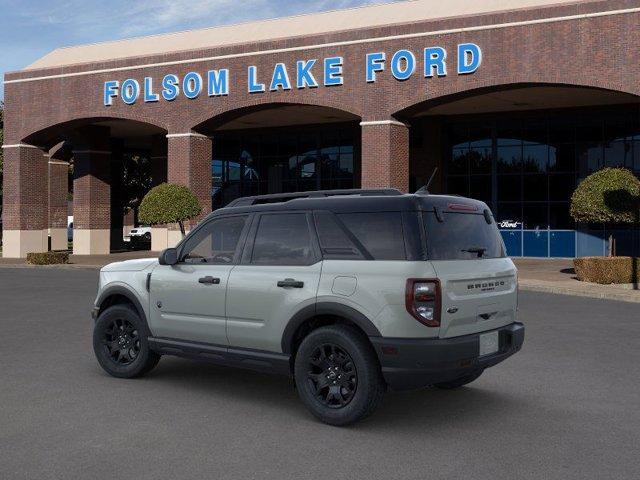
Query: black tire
[
  {"x": 338, "y": 376},
  {"x": 120, "y": 343},
  {"x": 459, "y": 382}
]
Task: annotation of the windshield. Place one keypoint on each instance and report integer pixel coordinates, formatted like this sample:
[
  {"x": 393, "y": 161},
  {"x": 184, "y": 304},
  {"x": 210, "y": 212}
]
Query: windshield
[{"x": 462, "y": 236}]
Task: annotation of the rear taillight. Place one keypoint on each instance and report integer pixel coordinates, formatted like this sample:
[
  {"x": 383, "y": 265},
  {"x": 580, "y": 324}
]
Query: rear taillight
[{"x": 422, "y": 299}]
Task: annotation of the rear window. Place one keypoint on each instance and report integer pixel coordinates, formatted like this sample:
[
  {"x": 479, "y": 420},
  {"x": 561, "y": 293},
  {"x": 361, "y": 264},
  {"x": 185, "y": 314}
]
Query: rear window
[
  {"x": 379, "y": 233},
  {"x": 336, "y": 241},
  {"x": 462, "y": 236}
]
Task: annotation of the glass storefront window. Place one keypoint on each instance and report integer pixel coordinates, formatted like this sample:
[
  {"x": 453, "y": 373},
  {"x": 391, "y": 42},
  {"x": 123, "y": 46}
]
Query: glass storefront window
[
  {"x": 481, "y": 188},
  {"x": 535, "y": 187},
  {"x": 480, "y": 159},
  {"x": 458, "y": 185},
  {"x": 619, "y": 153},
  {"x": 459, "y": 161},
  {"x": 535, "y": 215},
  {"x": 510, "y": 158},
  {"x": 256, "y": 162},
  {"x": 509, "y": 188},
  {"x": 536, "y": 159}
]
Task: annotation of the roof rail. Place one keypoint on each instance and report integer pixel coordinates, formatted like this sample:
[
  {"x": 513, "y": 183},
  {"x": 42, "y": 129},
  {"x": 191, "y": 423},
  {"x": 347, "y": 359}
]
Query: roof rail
[{"x": 285, "y": 197}]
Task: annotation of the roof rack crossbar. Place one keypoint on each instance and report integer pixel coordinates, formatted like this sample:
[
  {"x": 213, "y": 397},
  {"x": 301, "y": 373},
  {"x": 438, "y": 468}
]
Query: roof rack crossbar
[{"x": 285, "y": 197}]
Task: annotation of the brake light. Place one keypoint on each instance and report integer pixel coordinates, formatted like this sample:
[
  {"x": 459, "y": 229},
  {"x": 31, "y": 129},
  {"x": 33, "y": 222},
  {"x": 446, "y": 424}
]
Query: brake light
[
  {"x": 422, "y": 298},
  {"x": 461, "y": 207}
]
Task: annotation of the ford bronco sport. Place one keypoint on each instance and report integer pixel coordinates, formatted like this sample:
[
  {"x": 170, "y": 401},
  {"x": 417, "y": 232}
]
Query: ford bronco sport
[{"x": 348, "y": 292}]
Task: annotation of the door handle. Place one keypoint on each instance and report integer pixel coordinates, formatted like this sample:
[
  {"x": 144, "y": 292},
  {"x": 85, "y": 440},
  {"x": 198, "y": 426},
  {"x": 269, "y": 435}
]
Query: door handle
[
  {"x": 209, "y": 281},
  {"x": 290, "y": 282}
]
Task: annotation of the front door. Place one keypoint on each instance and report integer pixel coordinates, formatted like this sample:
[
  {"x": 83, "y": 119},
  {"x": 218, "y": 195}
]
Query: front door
[
  {"x": 187, "y": 300},
  {"x": 278, "y": 277}
]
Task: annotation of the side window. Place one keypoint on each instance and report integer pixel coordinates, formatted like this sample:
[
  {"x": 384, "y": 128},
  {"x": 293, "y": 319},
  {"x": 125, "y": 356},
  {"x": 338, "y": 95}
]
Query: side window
[
  {"x": 283, "y": 239},
  {"x": 335, "y": 242},
  {"x": 216, "y": 243},
  {"x": 380, "y": 233}
]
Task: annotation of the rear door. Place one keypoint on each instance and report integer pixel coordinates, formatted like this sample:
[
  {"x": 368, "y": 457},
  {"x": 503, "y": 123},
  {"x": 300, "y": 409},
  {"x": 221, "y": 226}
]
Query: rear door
[
  {"x": 278, "y": 277},
  {"x": 187, "y": 300},
  {"x": 478, "y": 281}
]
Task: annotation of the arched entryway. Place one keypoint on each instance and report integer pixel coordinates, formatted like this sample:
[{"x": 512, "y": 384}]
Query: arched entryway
[
  {"x": 277, "y": 148},
  {"x": 102, "y": 165},
  {"x": 523, "y": 149}
]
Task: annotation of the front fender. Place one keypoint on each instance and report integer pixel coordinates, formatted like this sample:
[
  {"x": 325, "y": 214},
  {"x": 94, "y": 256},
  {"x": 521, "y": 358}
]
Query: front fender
[{"x": 124, "y": 290}]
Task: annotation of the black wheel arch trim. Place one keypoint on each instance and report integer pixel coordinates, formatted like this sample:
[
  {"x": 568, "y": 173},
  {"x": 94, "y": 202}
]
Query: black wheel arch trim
[
  {"x": 326, "y": 308},
  {"x": 124, "y": 292}
]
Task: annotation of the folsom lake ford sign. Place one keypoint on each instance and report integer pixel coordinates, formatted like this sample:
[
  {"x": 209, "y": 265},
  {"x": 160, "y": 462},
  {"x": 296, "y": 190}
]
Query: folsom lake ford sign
[{"x": 310, "y": 73}]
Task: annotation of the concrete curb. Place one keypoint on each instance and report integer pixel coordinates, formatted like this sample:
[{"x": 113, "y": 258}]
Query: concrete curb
[{"x": 544, "y": 287}]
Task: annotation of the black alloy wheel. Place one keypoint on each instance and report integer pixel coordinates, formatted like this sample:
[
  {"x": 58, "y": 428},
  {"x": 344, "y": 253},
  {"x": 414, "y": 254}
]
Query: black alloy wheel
[
  {"x": 332, "y": 375},
  {"x": 122, "y": 341},
  {"x": 337, "y": 375}
]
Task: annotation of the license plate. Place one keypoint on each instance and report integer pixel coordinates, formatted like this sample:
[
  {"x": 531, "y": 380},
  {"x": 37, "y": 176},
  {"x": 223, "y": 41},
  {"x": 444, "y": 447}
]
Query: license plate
[{"x": 489, "y": 343}]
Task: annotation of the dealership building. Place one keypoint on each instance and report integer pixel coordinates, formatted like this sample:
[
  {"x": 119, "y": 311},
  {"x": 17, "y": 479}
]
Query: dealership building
[{"x": 513, "y": 101}]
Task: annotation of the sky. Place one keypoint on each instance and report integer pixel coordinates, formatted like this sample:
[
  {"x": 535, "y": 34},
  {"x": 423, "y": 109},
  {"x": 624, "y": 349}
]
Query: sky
[{"x": 30, "y": 29}]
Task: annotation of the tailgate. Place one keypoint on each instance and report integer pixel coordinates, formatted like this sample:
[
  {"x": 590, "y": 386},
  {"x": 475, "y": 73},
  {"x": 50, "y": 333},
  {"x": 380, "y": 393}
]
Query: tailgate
[{"x": 477, "y": 295}]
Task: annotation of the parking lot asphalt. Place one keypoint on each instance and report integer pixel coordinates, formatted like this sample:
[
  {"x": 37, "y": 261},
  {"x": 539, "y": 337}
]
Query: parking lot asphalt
[{"x": 565, "y": 407}]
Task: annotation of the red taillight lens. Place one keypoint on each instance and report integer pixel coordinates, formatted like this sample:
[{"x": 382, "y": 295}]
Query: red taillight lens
[
  {"x": 461, "y": 207},
  {"x": 423, "y": 301}
]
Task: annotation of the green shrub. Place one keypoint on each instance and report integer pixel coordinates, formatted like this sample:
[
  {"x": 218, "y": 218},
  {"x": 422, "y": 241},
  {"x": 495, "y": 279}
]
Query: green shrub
[
  {"x": 607, "y": 270},
  {"x": 610, "y": 195},
  {"x": 169, "y": 203},
  {"x": 48, "y": 258}
]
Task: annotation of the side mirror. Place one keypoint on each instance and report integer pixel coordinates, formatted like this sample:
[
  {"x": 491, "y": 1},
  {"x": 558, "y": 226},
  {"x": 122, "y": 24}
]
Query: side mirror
[{"x": 168, "y": 257}]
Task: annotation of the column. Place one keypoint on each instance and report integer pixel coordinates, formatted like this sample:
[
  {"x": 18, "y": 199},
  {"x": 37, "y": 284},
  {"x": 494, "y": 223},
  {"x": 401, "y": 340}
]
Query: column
[
  {"x": 189, "y": 164},
  {"x": 92, "y": 192},
  {"x": 116, "y": 241},
  {"x": 25, "y": 215},
  {"x": 385, "y": 155},
  {"x": 58, "y": 191},
  {"x": 159, "y": 233},
  {"x": 158, "y": 160}
]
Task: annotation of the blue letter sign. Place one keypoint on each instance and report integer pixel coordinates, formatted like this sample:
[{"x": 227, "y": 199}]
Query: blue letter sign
[
  {"x": 469, "y": 58},
  {"x": 402, "y": 66}
]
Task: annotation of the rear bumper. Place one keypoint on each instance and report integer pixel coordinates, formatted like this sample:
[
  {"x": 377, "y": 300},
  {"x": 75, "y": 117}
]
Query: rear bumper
[{"x": 415, "y": 363}]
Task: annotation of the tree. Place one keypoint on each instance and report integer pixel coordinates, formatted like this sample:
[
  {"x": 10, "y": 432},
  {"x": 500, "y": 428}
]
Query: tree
[
  {"x": 609, "y": 196},
  {"x": 169, "y": 203}
]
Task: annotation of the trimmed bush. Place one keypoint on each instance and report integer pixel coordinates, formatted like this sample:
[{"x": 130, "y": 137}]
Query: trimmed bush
[
  {"x": 48, "y": 258},
  {"x": 607, "y": 270},
  {"x": 169, "y": 203},
  {"x": 610, "y": 195}
]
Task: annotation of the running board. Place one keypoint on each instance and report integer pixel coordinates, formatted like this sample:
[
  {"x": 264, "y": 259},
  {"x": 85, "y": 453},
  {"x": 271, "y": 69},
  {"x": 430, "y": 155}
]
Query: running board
[{"x": 258, "y": 360}]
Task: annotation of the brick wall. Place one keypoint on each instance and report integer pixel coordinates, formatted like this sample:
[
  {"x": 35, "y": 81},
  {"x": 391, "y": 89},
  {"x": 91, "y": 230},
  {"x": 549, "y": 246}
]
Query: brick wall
[
  {"x": 596, "y": 51},
  {"x": 25, "y": 189},
  {"x": 58, "y": 189},
  {"x": 385, "y": 156}
]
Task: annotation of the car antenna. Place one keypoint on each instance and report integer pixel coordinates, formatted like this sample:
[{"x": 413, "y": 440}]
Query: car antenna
[{"x": 424, "y": 190}]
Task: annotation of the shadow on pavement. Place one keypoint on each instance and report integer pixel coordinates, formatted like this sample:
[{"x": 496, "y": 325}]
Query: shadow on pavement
[{"x": 403, "y": 411}]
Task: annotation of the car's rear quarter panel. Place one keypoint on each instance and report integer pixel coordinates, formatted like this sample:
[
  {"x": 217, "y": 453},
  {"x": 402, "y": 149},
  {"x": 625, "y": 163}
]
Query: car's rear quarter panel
[{"x": 379, "y": 293}]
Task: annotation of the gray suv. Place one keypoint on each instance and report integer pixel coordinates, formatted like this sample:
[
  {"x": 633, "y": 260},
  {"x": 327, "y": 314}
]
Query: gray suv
[{"x": 348, "y": 292}]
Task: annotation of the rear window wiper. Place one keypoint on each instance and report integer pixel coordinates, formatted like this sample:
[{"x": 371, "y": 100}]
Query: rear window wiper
[{"x": 477, "y": 250}]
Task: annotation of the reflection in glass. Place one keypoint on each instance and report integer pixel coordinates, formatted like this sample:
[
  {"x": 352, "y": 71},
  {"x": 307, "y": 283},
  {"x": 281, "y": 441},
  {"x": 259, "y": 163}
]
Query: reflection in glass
[
  {"x": 256, "y": 162},
  {"x": 539, "y": 159},
  {"x": 510, "y": 159}
]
